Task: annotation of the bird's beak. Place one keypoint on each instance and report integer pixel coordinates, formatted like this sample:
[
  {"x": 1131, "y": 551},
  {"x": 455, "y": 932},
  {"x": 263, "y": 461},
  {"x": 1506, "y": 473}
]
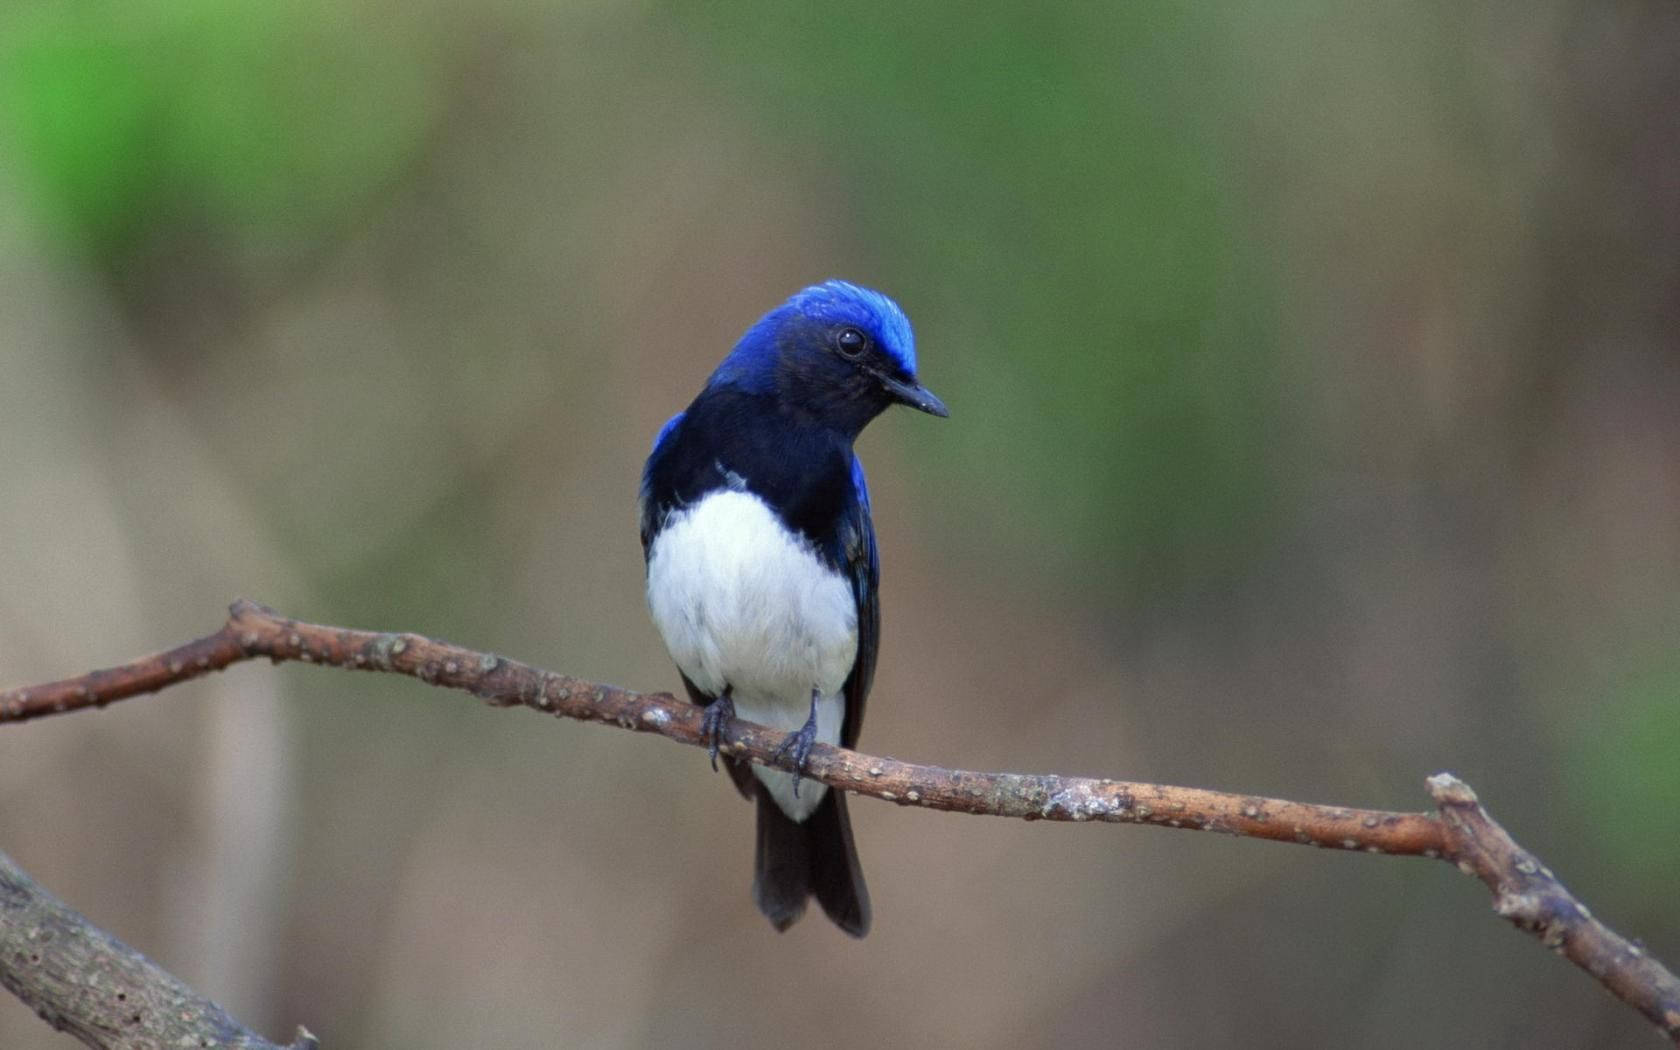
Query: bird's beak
[{"x": 916, "y": 396}]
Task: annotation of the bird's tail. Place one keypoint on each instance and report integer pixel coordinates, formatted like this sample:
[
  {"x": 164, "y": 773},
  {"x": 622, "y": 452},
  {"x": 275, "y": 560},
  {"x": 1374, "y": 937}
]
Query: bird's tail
[{"x": 796, "y": 860}]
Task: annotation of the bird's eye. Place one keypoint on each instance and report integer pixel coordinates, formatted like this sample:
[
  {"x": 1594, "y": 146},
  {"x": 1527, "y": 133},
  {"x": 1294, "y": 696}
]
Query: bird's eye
[{"x": 850, "y": 342}]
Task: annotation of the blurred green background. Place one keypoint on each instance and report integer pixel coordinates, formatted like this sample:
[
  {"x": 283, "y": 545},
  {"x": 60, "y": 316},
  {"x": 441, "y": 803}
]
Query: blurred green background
[{"x": 1315, "y": 389}]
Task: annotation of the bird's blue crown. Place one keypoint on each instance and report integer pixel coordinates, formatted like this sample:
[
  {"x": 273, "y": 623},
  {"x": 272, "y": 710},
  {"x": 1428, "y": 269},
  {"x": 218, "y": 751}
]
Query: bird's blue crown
[{"x": 831, "y": 303}]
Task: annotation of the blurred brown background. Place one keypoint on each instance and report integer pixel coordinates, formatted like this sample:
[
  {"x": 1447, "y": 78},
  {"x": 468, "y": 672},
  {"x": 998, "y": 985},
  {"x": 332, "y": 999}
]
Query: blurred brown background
[{"x": 1315, "y": 427}]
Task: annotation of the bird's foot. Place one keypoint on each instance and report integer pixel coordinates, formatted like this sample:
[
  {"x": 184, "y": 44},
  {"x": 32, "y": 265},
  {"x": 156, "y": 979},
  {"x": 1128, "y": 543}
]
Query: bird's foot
[
  {"x": 798, "y": 744},
  {"x": 719, "y": 713}
]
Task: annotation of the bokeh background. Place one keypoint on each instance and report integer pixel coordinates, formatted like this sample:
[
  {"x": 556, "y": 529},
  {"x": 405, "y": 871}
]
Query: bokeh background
[{"x": 1315, "y": 389}]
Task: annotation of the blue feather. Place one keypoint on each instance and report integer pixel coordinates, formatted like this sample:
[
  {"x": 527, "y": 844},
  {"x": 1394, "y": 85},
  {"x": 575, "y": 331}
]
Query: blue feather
[
  {"x": 751, "y": 365},
  {"x": 665, "y": 431}
]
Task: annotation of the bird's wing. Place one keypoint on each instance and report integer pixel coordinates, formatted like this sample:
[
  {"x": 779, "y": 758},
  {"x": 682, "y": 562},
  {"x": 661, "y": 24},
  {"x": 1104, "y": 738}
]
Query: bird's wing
[
  {"x": 649, "y": 507},
  {"x": 863, "y": 568}
]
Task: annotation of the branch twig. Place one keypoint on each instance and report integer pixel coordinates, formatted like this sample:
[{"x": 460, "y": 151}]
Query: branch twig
[
  {"x": 1525, "y": 892},
  {"x": 81, "y": 980}
]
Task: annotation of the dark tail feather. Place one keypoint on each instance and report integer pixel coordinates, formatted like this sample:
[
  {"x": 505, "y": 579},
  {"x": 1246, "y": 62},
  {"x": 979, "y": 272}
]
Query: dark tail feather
[
  {"x": 836, "y": 878},
  {"x": 795, "y": 861},
  {"x": 782, "y": 865}
]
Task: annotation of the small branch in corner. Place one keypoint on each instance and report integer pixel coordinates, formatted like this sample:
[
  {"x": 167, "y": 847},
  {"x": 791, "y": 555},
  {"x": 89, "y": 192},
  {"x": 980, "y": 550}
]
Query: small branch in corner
[{"x": 83, "y": 981}]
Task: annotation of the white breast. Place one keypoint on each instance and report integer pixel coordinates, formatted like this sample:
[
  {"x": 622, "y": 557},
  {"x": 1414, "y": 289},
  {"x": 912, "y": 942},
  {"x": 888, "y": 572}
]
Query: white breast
[{"x": 743, "y": 602}]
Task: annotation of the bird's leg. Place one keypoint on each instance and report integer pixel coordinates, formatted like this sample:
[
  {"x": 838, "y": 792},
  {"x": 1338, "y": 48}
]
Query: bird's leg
[
  {"x": 799, "y": 742},
  {"x": 719, "y": 713}
]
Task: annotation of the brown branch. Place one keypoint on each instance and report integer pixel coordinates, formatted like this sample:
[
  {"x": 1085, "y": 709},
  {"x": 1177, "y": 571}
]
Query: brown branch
[
  {"x": 81, "y": 980},
  {"x": 1524, "y": 891},
  {"x": 1527, "y": 893}
]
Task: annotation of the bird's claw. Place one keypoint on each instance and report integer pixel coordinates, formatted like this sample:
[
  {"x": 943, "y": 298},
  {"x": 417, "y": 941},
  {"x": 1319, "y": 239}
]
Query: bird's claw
[
  {"x": 718, "y": 714},
  {"x": 798, "y": 744}
]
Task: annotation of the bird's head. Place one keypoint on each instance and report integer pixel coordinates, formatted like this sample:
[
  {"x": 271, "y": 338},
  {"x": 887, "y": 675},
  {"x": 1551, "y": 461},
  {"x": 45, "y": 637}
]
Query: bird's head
[{"x": 834, "y": 354}]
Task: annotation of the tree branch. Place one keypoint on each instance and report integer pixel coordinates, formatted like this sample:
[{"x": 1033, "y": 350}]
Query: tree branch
[
  {"x": 81, "y": 980},
  {"x": 1525, "y": 892}
]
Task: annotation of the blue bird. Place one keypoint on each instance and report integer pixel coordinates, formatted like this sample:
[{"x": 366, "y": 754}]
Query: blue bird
[{"x": 762, "y": 570}]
